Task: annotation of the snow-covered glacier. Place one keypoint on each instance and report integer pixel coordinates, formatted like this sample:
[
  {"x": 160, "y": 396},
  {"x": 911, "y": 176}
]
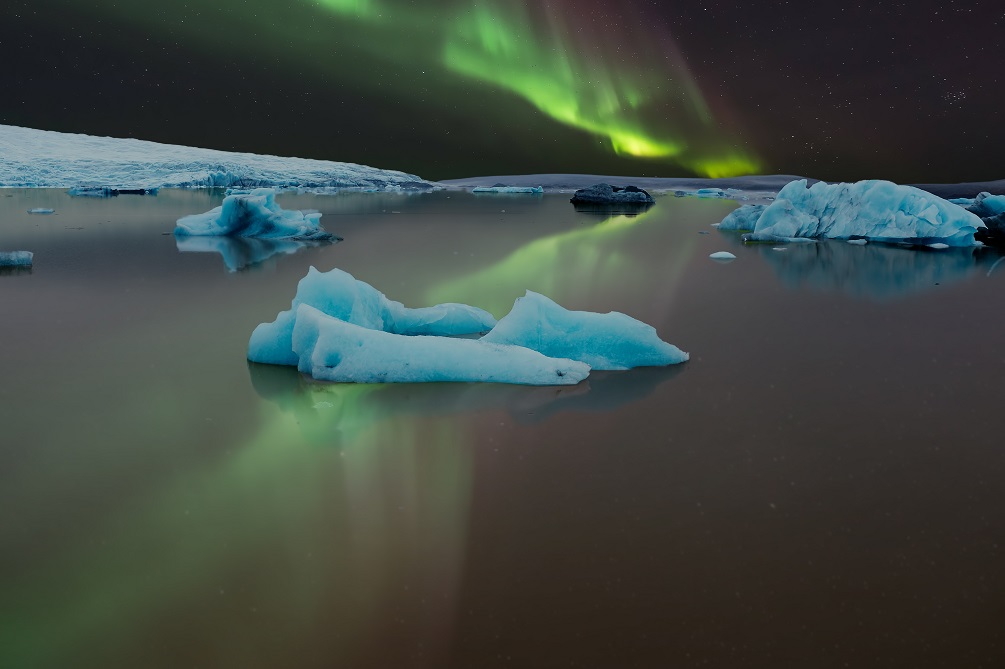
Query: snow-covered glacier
[
  {"x": 45, "y": 159},
  {"x": 875, "y": 210}
]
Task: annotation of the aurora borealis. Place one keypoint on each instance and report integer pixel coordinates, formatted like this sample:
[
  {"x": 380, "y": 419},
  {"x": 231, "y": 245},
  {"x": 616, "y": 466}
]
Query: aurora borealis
[{"x": 452, "y": 88}]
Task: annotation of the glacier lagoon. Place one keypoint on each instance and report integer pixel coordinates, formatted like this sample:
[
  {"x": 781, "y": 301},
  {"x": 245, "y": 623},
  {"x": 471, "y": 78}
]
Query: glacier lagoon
[{"x": 824, "y": 473}]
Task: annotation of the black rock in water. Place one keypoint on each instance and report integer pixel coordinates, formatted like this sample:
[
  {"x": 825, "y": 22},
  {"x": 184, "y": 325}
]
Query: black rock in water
[{"x": 608, "y": 194}]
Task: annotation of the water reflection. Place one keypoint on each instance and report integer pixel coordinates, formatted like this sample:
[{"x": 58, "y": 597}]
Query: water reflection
[
  {"x": 609, "y": 210},
  {"x": 15, "y": 270},
  {"x": 575, "y": 267},
  {"x": 338, "y": 413},
  {"x": 269, "y": 548},
  {"x": 244, "y": 252},
  {"x": 878, "y": 271}
]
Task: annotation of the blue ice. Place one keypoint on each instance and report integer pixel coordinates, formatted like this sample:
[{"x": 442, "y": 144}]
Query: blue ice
[
  {"x": 331, "y": 349},
  {"x": 603, "y": 341},
  {"x": 253, "y": 214},
  {"x": 532, "y": 190},
  {"x": 16, "y": 258},
  {"x": 874, "y": 210},
  {"x": 340, "y": 295}
]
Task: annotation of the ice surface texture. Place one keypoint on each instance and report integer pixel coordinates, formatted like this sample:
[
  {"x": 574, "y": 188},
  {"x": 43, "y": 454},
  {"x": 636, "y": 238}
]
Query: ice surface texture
[
  {"x": 875, "y": 210},
  {"x": 44, "y": 159},
  {"x": 338, "y": 294},
  {"x": 330, "y": 349},
  {"x": 603, "y": 341},
  {"x": 16, "y": 258},
  {"x": 531, "y": 190},
  {"x": 253, "y": 214}
]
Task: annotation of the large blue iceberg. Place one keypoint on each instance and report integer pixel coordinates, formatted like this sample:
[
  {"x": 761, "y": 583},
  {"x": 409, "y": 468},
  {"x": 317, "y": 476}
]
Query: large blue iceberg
[
  {"x": 875, "y": 210},
  {"x": 330, "y": 349},
  {"x": 253, "y": 214},
  {"x": 338, "y": 294},
  {"x": 603, "y": 341},
  {"x": 341, "y": 329}
]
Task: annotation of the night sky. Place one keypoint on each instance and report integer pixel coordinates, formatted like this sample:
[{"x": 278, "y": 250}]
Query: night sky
[{"x": 911, "y": 92}]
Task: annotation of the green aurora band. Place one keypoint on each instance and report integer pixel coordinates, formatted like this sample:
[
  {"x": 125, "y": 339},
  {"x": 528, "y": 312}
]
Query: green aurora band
[{"x": 617, "y": 78}]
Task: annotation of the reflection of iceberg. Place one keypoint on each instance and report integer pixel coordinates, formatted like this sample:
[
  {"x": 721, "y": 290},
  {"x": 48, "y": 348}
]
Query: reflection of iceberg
[
  {"x": 876, "y": 270},
  {"x": 243, "y": 252},
  {"x": 325, "y": 410}
]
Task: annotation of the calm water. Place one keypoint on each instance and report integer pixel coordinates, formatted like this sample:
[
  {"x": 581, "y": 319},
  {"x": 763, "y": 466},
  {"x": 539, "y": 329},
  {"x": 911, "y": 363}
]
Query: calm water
[{"x": 822, "y": 485}]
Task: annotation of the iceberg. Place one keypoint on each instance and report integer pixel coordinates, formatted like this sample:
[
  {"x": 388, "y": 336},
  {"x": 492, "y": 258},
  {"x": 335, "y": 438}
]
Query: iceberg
[
  {"x": 41, "y": 210},
  {"x": 330, "y": 349},
  {"x": 874, "y": 210},
  {"x": 991, "y": 209},
  {"x": 106, "y": 191},
  {"x": 531, "y": 190},
  {"x": 45, "y": 159},
  {"x": 340, "y": 295},
  {"x": 253, "y": 214},
  {"x": 16, "y": 258},
  {"x": 603, "y": 341}
]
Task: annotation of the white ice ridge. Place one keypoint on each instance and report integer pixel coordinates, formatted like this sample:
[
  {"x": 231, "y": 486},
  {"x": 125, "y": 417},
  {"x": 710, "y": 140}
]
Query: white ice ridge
[
  {"x": 330, "y": 349},
  {"x": 603, "y": 341},
  {"x": 531, "y": 190},
  {"x": 874, "y": 210},
  {"x": 45, "y": 159},
  {"x": 338, "y": 294},
  {"x": 16, "y": 258},
  {"x": 253, "y": 214}
]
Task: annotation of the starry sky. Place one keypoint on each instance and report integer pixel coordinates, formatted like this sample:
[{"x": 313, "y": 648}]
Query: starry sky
[{"x": 911, "y": 92}]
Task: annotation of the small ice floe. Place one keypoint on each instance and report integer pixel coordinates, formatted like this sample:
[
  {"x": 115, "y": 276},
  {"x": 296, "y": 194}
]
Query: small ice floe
[
  {"x": 41, "y": 210},
  {"x": 858, "y": 242},
  {"x": 703, "y": 232},
  {"x": 722, "y": 256},
  {"x": 938, "y": 245},
  {"x": 16, "y": 258},
  {"x": 779, "y": 248}
]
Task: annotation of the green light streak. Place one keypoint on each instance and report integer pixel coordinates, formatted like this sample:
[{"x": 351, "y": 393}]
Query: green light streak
[
  {"x": 487, "y": 45},
  {"x": 364, "y": 9}
]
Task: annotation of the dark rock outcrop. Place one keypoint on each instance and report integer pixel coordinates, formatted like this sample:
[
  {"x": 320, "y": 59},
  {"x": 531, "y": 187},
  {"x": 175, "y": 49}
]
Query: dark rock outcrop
[
  {"x": 612, "y": 195},
  {"x": 993, "y": 218}
]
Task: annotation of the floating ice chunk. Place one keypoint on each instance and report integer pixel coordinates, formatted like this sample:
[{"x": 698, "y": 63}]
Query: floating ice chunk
[
  {"x": 986, "y": 205},
  {"x": 603, "y": 341},
  {"x": 253, "y": 214},
  {"x": 858, "y": 242},
  {"x": 722, "y": 255},
  {"x": 41, "y": 210},
  {"x": 16, "y": 258},
  {"x": 779, "y": 248},
  {"x": 874, "y": 210},
  {"x": 938, "y": 245},
  {"x": 108, "y": 191},
  {"x": 330, "y": 349},
  {"x": 532, "y": 190},
  {"x": 338, "y": 294},
  {"x": 711, "y": 192}
]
